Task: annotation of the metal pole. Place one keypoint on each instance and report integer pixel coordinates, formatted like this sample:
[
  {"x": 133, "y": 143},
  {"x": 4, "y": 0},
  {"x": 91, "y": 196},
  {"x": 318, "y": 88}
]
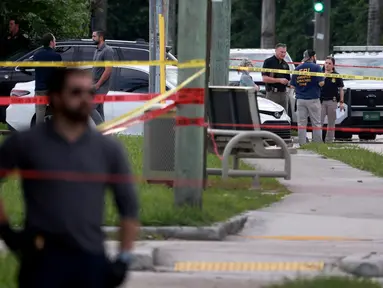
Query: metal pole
[
  {"x": 220, "y": 49},
  {"x": 155, "y": 8},
  {"x": 322, "y": 31},
  {"x": 190, "y": 140}
]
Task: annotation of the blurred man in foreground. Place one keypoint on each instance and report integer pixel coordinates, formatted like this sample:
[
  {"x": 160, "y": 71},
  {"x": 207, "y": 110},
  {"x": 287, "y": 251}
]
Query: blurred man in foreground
[{"x": 69, "y": 166}]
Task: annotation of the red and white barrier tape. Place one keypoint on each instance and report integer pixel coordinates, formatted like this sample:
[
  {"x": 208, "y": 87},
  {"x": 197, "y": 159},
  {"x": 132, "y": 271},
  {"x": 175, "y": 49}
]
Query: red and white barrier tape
[{"x": 298, "y": 63}]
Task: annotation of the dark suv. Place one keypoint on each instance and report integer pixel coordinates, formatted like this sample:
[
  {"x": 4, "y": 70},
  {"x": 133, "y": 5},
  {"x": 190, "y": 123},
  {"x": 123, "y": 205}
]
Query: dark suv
[{"x": 71, "y": 50}]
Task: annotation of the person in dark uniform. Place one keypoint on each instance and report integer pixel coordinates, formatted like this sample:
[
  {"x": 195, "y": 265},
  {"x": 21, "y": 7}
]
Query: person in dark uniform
[
  {"x": 332, "y": 93},
  {"x": 16, "y": 41},
  {"x": 276, "y": 83},
  {"x": 61, "y": 244}
]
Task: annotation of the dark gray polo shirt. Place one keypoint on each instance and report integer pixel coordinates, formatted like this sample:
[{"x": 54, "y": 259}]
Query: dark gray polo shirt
[
  {"x": 69, "y": 201},
  {"x": 104, "y": 53}
]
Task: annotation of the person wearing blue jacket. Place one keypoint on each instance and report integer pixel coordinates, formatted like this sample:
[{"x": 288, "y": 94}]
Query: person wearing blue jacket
[{"x": 307, "y": 93}]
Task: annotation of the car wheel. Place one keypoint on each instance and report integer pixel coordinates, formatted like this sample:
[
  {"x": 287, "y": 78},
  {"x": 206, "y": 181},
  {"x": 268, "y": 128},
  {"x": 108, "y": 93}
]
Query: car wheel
[
  {"x": 367, "y": 136},
  {"x": 33, "y": 121},
  {"x": 343, "y": 136}
]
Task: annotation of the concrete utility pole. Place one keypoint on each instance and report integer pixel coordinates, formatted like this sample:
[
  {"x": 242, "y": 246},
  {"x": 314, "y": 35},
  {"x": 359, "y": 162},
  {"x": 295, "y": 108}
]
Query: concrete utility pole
[
  {"x": 374, "y": 15},
  {"x": 322, "y": 31},
  {"x": 100, "y": 11},
  {"x": 220, "y": 45},
  {"x": 190, "y": 140},
  {"x": 155, "y": 8},
  {"x": 268, "y": 24}
]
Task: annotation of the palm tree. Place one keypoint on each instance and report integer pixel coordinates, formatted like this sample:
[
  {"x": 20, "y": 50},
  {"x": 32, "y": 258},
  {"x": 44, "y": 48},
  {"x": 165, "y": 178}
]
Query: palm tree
[
  {"x": 373, "y": 30},
  {"x": 268, "y": 24}
]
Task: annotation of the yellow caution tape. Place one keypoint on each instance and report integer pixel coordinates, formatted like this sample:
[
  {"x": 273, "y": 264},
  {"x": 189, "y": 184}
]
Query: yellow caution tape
[
  {"x": 248, "y": 266},
  {"x": 343, "y": 76},
  {"x": 188, "y": 64},
  {"x": 139, "y": 110}
]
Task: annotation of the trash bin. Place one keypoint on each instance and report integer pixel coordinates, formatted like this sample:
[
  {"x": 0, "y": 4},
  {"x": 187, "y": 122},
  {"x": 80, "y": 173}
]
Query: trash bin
[{"x": 159, "y": 148}]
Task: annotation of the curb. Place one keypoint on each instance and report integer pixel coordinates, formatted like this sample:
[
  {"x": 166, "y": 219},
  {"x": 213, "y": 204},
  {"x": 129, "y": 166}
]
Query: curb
[
  {"x": 143, "y": 257},
  {"x": 216, "y": 232},
  {"x": 368, "y": 265}
]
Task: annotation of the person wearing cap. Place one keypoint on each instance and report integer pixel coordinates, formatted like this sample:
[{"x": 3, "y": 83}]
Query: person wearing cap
[
  {"x": 332, "y": 93},
  {"x": 246, "y": 80},
  {"x": 307, "y": 93},
  {"x": 277, "y": 83}
]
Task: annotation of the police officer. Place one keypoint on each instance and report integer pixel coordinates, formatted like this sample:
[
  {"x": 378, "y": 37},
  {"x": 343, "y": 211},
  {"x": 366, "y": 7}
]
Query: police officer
[
  {"x": 16, "y": 41},
  {"x": 332, "y": 93},
  {"x": 307, "y": 93},
  {"x": 276, "y": 83},
  {"x": 65, "y": 168}
]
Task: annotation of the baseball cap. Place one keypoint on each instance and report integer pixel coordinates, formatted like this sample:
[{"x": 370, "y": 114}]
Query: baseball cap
[{"x": 308, "y": 54}]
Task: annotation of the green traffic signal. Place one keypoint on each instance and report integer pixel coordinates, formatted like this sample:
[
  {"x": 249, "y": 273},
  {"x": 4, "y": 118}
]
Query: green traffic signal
[{"x": 318, "y": 7}]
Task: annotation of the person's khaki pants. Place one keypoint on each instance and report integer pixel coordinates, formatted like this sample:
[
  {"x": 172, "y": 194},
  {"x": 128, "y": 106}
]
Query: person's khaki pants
[
  {"x": 40, "y": 109},
  {"x": 278, "y": 97},
  {"x": 329, "y": 109},
  {"x": 309, "y": 108}
]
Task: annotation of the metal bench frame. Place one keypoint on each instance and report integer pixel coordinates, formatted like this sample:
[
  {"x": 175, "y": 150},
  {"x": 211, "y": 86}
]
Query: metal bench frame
[{"x": 248, "y": 144}]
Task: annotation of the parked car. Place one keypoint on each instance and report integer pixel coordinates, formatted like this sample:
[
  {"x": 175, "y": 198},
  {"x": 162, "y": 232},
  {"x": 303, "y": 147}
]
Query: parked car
[
  {"x": 260, "y": 54},
  {"x": 71, "y": 50},
  {"x": 127, "y": 80},
  {"x": 364, "y": 98}
]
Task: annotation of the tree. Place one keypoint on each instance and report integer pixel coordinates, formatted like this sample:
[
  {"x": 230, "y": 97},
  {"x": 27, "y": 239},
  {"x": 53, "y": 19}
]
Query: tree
[
  {"x": 63, "y": 18},
  {"x": 373, "y": 30},
  {"x": 268, "y": 24}
]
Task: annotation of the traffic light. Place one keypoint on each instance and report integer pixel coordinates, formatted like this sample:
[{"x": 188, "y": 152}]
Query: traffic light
[{"x": 318, "y": 6}]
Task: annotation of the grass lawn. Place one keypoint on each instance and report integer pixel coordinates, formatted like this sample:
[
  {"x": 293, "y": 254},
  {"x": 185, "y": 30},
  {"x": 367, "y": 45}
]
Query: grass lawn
[
  {"x": 328, "y": 282},
  {"x": 220, "y": 201},
  {"x": 354, "y": 156}
]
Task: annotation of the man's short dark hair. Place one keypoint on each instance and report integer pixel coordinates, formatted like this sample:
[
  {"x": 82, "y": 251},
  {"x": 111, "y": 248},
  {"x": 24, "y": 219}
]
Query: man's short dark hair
[
  {"x": 280, "y": 45},
  {"x": 47, "y": 38},
  {"x": 14, "y": 18},
  {"x": 58, "y": 80},
  {"x": 100, "y": 33}
]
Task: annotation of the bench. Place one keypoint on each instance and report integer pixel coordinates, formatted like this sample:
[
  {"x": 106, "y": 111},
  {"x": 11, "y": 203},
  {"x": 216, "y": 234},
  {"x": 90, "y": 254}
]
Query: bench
[{"x": 234, "y": 130}]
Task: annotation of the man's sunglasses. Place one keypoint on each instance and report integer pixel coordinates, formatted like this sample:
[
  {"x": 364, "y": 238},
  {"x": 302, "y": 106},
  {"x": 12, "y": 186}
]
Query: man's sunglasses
[{"x": 79, "y": 91}]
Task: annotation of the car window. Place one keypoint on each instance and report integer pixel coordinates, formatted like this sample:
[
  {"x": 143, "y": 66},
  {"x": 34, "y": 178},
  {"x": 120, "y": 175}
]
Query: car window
[
  {"x": 236, "y": 57},
  {"x": 87, "y": 53},
  {"x": 66, "y": 52},
  {"x": 133, "y": 54},
  {"x": 143, "y": 90},
  {"x": 130, "y": 80},
  {"x": 359, "y": 61}
]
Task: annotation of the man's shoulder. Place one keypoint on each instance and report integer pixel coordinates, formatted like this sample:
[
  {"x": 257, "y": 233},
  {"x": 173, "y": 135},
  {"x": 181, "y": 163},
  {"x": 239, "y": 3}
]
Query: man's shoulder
[
  {"x": 110, "y": 142},
  {"x": 269, "y": 60}
]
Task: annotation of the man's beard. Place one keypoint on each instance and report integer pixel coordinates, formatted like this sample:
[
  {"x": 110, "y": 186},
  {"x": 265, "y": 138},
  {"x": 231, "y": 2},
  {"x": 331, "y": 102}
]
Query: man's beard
[
  {"x": 78, "y": 115},
  {"x": 96, "y": 42}
]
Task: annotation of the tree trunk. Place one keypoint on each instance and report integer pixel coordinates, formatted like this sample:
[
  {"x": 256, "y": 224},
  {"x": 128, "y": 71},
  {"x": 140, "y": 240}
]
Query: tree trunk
[
  {"x": 99, "y": 12},
  {"x": 373, "y": 30},
  {"x": 268, "y": 24}
]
